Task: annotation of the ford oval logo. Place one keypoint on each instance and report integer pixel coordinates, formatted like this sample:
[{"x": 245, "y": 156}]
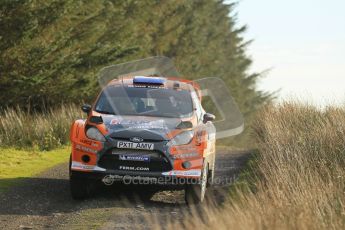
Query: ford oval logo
[{"x": 136, "y": 139}]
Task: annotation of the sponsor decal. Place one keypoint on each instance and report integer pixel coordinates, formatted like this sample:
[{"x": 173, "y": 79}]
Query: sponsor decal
[
  {"x": 94, "y": 144},
  {"x": 88, "y": 142},
  {"x": 114, "y": 122},
  {"x": 133, "y": 145},
  {"x": 133, "y": 168},
  {"x": 157, "y": 124},
  {"x": 134, "y": 158},
  {"x": 79, "y": 166},
  {"x": 185, "y": 148},
  {"x": 145, "y": 86},
  {"x": 85, "y": 149},
  {"x": 87, "y": 166},
  {"x": 192, "y": 173},
  {"x": 185, "y": 155}
]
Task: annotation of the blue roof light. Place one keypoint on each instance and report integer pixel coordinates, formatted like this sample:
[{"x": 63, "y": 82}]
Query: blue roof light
[{"x": 148, "y": 80}]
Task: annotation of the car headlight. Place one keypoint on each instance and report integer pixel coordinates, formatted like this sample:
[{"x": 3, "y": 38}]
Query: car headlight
[
  {"x": 94, "y": 134},
  {"x": 182, "y": 138}
]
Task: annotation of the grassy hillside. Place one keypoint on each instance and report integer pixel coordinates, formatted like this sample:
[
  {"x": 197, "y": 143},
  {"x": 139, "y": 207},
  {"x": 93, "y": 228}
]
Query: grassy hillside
[{"x": 299, "y": 173}]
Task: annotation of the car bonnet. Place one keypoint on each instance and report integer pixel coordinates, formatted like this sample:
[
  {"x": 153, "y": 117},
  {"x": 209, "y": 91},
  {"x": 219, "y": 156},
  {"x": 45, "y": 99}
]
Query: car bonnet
[{"x": 150, "y": 128}]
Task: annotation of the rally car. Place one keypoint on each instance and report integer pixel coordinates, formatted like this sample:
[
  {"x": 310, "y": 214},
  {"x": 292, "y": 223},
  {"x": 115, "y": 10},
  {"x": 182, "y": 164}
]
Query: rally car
[{"x": 144, "y": 128}]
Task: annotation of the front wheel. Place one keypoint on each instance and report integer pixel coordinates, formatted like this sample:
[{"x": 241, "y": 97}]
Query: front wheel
[
  {"x": 195, "y": 193},
  {"x": 80, "y": 188}
]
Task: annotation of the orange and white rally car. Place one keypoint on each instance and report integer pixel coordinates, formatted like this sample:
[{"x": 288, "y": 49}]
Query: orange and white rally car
[{"x": 144, "y": 128}]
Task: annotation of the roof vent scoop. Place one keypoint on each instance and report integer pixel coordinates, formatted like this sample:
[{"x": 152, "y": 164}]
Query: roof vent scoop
[{"x": 148, "y": 80}]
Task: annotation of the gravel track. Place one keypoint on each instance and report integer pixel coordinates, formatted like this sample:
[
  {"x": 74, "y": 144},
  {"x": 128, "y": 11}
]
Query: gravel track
[{"x": 44, "y": 201}]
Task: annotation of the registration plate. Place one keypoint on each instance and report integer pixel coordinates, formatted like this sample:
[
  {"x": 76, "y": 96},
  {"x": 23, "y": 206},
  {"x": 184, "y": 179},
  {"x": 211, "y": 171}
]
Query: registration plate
[{"x": 133, "y": 145}]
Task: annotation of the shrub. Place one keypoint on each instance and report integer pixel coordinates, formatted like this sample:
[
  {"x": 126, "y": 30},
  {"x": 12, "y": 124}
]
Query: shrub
[
  {"x": 45, "y": 130},
  {"x": 300, "y": 173}
]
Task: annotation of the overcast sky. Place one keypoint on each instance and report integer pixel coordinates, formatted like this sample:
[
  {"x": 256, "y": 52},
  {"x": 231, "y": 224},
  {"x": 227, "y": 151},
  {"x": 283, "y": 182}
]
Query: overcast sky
[{"x": 302, "y": 42}]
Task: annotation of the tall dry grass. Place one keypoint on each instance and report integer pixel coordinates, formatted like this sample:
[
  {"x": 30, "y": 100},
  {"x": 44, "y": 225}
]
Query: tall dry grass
[
  {"x": 300, "y": 173},
  {"x": 45, "y": 130}
]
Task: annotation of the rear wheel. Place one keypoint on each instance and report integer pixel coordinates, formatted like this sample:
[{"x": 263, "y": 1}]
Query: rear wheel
[
  {"x": 195, "y": 193},
  {"x": 210, "y": 179}
]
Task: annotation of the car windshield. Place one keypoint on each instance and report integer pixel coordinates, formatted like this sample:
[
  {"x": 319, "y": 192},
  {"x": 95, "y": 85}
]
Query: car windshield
[{"x": 142, "y": 101}]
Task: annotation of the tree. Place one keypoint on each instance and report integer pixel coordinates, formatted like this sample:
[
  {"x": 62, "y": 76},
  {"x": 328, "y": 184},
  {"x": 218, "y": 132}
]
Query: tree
[{"x": 51, "y": 51}]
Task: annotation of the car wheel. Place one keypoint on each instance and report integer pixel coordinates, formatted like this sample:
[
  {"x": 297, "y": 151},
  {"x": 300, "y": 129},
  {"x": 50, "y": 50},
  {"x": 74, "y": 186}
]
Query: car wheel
[
  {"x": 146, "y": 195},
  {"x": 211, "y": 172},
  {"x": 195, "y": 193},
  {"x": 210, "y": 179},
  {"x": 80, "y": 188}
]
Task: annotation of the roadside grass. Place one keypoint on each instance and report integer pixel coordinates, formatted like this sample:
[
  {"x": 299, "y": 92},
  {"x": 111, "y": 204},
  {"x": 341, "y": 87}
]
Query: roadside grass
[
  {"x": 297, "y": 180},
  {"x": 16, "y": 165},
  {"x": 45, "y": 130},
  {"x": 246, "y": 181}
]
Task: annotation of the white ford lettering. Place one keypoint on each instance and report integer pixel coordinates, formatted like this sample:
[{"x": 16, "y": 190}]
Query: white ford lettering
[{"x": 133, "y": 145}]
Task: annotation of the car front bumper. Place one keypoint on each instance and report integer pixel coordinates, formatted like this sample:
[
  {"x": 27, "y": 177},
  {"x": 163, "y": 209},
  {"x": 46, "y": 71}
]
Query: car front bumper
[{"x": 136, "y": 177}]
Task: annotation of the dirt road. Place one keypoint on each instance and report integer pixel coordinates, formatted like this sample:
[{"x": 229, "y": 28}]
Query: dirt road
[{"x": 44, "y": 202}]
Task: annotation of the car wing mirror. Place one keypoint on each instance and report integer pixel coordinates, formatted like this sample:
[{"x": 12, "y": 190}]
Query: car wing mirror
[
  {"x": 208, "y": 117},
  {"x": 86, "y": 108}
]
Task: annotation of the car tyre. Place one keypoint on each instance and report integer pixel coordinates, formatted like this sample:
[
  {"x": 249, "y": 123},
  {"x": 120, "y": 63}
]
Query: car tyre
[
  {"x": 80, "y": 188},
  {"x": 211, "y": 173},
  {"x": 195, "y": 193}
]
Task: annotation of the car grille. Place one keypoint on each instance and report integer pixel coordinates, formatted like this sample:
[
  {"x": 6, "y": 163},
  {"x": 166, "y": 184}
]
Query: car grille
[{"x": 157, "y": 161}]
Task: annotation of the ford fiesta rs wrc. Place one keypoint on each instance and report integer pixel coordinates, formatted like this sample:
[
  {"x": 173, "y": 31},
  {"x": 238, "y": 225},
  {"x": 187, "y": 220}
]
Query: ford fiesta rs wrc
[{"x": 144, "y": 128}]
